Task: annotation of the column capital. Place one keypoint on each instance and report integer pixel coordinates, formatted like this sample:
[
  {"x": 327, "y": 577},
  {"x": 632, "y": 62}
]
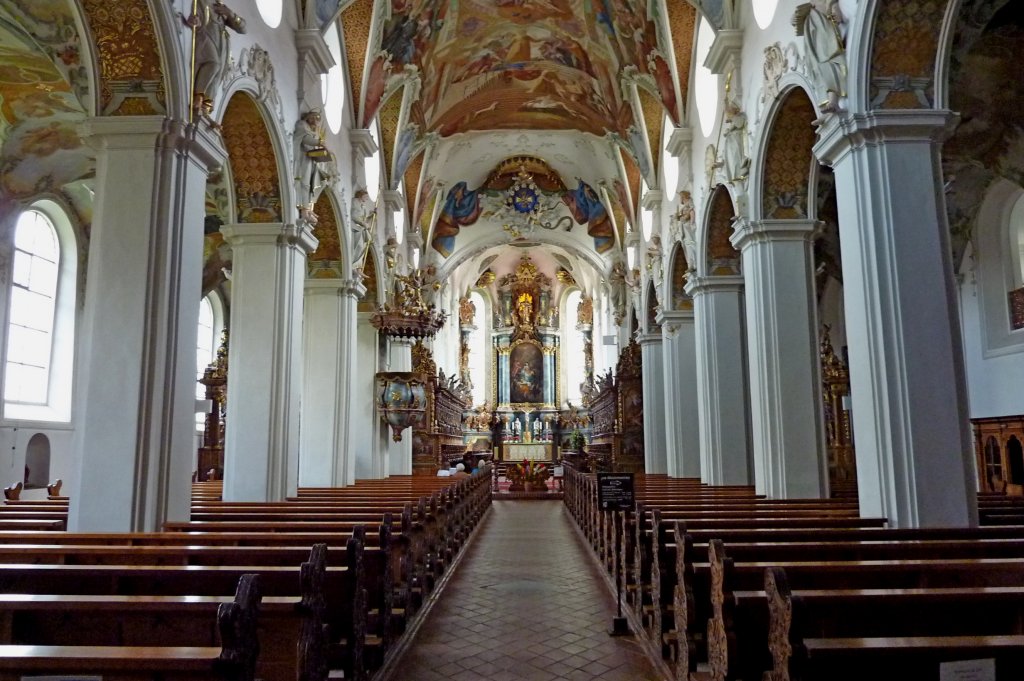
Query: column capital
[
  {"x": 648, "y": 339},
  {"x": 392, "y": 199},
  {"x": 135, "y": 133},
  {"x": 352, "y": 288},
  {"x": 728, "y": 42},
  {"x": 840, "y": 136},
  {"x": 749, "y": 232},
  {"x": 362, "y": 142},
  {"x": 697, "y": 285},
  {"x": 673, "y": 317},
  {"x": 270, "y": 233},
  {"x": 651, "y": 199},
  {"x": 311, "y": 45},
  {"x": 679, "y": 141}
]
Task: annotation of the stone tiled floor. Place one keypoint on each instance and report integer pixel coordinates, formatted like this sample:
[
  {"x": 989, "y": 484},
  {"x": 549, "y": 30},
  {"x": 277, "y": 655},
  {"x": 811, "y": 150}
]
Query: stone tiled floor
[{"x": 526, "y": 602}]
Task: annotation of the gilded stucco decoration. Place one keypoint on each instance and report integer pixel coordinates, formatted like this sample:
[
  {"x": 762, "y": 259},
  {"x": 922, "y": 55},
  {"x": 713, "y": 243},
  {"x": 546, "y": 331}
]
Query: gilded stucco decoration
[
  {"x": 131, "y": 72},
  {"x": 722, "y": 257},
  {"x": 653, "y": 116},
  {"x": 45, "y": 94},
  {"x": 788, "y": 158},
  {"x": 682, "y": 19},
  {"x": 326, "y": 261},
  {"x": 389, "y": 114},
  {"x": 680, "y": 299},
  {"x": 355, "y": 26},
  {"x": 905, "y": 52},
  {"x": 253, "y": 161},
  {"x": 412, "y": 183}
]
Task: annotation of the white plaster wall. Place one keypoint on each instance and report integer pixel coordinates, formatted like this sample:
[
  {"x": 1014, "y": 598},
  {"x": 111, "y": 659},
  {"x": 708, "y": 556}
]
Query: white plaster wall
[
  {"x": 366, "y": 419},
  {"x": 993, "y": 383},
  {"x": 14, "y": 437}
]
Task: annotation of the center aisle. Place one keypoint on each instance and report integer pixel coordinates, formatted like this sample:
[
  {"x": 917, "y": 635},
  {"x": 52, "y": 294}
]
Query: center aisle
[{"x": 526, "y": 602}]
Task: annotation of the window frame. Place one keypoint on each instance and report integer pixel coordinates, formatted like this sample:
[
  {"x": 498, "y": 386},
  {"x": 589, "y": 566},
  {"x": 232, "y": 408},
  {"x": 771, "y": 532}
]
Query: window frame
[{"x": 57, "y": 407}]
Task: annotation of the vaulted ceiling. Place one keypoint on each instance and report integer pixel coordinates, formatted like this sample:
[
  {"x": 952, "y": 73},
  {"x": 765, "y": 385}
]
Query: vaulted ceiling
[{"x": 457, "y": 88}]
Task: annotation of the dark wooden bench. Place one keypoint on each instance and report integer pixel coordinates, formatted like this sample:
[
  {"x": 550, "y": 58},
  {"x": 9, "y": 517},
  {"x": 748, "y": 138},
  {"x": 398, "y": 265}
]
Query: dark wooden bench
[
  {"x": 884, "y": 634},
  {"x": 234, "y": 660}
]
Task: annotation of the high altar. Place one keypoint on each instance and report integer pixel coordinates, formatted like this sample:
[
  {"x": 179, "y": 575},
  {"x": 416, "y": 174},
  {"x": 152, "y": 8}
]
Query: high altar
[{"x": 526, "y": 362}]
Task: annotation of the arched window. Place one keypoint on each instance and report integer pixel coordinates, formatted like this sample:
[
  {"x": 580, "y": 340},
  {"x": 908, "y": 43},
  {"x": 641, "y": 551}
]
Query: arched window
[
  {"x": 706, "y": 83},
  {"x": 372, "y": 167},
  {"x": 333, "y": 82},
  {"x": 271, "y": 11},
  {"x": 41, "y": 317},
  {"x": 572, "y": 348},
  {"x": 764, "y": 12},
  {"x": 670, "y": 162},
  {"x": 206, "y": 348},
  {"x": 479, "y": 350}
]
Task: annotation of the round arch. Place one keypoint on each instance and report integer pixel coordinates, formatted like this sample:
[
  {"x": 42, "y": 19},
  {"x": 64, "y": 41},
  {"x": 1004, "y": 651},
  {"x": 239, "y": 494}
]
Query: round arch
[
  {"x": 256, "y": 159},
  {"x": 677, "y": 298},
  {"x": 717, "y": 254}
]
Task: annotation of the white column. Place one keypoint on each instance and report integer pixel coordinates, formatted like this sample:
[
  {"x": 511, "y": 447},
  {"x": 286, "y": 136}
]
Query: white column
[
  {"x": 782, "y": 351},
  {"x": 326, "y": 455},
  {"x": 682, "y": 419},
  {"x": 721, "y": 379},
  {"x": 400, "y": 453},
  {"x": 653, "y": 369},
  {"x": 261, "y": 442},
  {"x": 908, "y": 390},
  {"x": 137, "y": 356},
  {"x": 366, "y": 437}
]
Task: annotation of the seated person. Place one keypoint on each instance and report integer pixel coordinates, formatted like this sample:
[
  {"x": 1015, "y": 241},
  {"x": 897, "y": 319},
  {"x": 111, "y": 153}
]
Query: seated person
[{"x": 460, "y": 471}]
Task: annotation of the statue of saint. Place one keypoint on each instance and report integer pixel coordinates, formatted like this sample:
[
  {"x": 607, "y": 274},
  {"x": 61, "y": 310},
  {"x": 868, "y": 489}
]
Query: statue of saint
[
  {"x": 585, "y": 311},
  {"x": 310, "y": 155},
  {"x": 654, "y": 264},
  {"x": 210, "y": 23},
  {"x": 362, "y": 214},
  {"x": 734, "y": 163},
  {"x": 821, "y": 23},
  {"x": 686, "y": 216},
  {"x": 467, "y": 312}
]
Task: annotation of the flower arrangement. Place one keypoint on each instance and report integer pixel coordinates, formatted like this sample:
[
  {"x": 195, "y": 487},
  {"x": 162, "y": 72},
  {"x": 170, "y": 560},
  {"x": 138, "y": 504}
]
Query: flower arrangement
[
  {"x": 577, "y": 441},
  {"x": 528, "y": 473}
]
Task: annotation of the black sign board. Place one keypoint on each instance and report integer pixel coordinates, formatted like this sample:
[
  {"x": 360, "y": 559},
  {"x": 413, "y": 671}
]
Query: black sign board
[{"x": 615, "y": 491}]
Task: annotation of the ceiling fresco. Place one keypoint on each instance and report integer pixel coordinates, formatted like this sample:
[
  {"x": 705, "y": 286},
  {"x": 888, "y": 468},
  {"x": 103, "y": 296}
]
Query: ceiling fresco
[
  {"x": 44, "y": 94},
  {"x": 988, "y": 143},
  {"x": 509, "y": 64}
]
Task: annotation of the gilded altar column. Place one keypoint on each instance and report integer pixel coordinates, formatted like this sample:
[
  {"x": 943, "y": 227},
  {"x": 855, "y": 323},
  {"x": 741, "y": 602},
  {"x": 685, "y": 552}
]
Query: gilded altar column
[
  {"x": 326, "y": 454},
  {"x": 551, "y": 371},
  {"x": 503, "y": 352},
  {"x": 135, "y": 405},
  {"x": 907, "y": 384}
]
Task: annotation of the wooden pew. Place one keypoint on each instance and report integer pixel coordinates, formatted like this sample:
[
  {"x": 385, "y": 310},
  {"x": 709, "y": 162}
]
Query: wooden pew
[
  {"x": 234, "y": 660},
  {"x": 885, "y": 634}
]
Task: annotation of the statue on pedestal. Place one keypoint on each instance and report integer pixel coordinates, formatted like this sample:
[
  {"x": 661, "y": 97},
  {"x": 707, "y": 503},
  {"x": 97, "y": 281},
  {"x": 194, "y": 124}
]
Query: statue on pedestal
[{"x": 210, "y": 24}]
